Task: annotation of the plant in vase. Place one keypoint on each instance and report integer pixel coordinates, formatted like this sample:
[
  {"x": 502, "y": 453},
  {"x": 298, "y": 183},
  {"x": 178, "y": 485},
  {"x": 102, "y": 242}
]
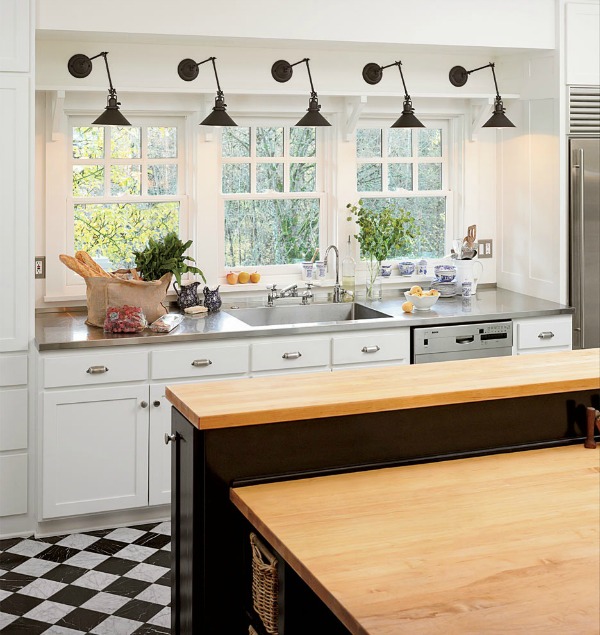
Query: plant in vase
[{"x": 380, "y": 233}]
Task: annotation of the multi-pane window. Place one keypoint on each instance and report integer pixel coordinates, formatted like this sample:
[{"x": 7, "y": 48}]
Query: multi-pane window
[
  {"x": 407, "y": 168},
  {"x": 270, "y": 185},
  {"x": 126, "y": 188}
]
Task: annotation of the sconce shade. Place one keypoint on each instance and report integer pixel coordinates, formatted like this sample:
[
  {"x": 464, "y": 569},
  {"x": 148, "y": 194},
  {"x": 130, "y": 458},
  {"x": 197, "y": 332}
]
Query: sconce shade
[
  {"x": 80, "y": 66},
  {"x": 458, "y": 77},
  {"x": 282, "y": 71},
  {"x": 188, "y": 70},
  {"x": 373, "y": 73}
]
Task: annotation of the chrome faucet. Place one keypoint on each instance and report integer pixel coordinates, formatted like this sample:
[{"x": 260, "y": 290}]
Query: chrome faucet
[
  {"x": 291, "y": 291},
  {"x": 337, "y": 290}
]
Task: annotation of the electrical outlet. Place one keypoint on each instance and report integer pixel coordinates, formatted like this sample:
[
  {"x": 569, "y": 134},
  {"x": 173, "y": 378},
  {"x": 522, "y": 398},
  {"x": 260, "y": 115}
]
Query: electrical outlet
[
  {"x": 40, "y": 266},
  {"x": 485, "y": 249}
]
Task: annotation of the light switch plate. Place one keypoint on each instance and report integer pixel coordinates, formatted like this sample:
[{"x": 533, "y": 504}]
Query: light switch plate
[
  {"x": 40, "y": 266},
  {"x": 485, "y": 249}
]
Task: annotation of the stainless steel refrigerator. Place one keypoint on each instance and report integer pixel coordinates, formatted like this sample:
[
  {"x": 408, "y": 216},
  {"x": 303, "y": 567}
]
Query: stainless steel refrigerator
[{"x": 584, "y": 194}]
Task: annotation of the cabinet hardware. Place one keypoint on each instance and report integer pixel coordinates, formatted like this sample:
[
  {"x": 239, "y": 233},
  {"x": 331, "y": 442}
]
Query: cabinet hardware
[
  {"x": 96, "y": 370},
  {"x": 294, "y": 355},
  {"x": 170, "y": 437},
  {"x": 200, "y": 363},
  {"x": 546, "y": 335},
  {"x": 156, "y": 403},
  {"x": 370, "y": 349},
  {"x": 144, "y": 404}
]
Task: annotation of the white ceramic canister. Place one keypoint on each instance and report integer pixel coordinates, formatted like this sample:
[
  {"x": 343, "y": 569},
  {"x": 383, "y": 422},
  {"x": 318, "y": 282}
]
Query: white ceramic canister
[{"x": 468, "y": 271}]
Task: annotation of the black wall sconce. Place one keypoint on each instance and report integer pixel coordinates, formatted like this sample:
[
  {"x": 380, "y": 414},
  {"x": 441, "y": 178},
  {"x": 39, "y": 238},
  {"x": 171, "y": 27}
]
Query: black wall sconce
[
  {"x": 80, "y": 66},
  {"x": 282, "y": 71},
  {"x": 458, "y": 77},
  {"x": 372, "y": 74},
  {"x": 188, "y": 70}
]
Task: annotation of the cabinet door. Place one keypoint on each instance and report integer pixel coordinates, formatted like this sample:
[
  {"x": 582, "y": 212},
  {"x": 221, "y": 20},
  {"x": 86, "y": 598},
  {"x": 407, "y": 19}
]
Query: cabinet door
[
  {"x": 582, "y": 43},
  {"x": 94, "y": 450},
  {"x": 15, "y": 35},
  {"x": 15, "y": 215},
  {"x": 159, "y": 469}
]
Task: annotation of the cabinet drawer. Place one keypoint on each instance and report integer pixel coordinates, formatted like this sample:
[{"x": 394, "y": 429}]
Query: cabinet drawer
[
  {"x": 290, "y": 353},
  {"x": 95, "y": 368},
  {"x": 549, "y": 333},
  {"x": 372, "y": 346},
  {"x": 200, "y": 361}
]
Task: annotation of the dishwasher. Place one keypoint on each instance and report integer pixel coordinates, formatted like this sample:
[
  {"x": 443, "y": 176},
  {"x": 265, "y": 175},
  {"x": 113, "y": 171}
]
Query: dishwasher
[{"x": 462, "y": 341}]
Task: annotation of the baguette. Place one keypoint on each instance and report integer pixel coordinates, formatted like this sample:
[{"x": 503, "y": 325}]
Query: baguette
[
  {"x": 87, "y": 260},
  {"x": 77, "y": 266}
]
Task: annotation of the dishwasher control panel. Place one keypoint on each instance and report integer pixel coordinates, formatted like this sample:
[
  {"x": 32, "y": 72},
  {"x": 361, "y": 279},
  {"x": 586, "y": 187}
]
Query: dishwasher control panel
[{"x": 462, "y": 341}]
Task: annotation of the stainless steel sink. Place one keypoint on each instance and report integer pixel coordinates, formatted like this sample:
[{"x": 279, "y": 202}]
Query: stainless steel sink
[{"x": 305, "y": 314}]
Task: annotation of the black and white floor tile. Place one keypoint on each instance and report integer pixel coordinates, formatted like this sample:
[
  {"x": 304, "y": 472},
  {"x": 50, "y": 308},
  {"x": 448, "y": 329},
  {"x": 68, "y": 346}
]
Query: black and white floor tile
[{"x": 109, "y": 582}]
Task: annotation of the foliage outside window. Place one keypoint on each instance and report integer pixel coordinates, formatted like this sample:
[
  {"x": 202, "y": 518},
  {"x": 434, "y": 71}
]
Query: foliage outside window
[
  {"x": 126, "y": 189},
  {"x": 271, "y": 198},
  {"x": 406, "y": 169}
]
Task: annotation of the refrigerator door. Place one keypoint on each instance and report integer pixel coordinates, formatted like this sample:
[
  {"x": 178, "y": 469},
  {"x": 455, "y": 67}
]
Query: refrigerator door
[{"x": 584, "y": 193}]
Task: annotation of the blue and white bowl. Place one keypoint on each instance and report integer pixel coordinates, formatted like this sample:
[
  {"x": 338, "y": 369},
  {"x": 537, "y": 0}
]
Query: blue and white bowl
[
  {"x": 386, "y": 271},
  {"x": 406, "y": 268},
  {"x": 445, "y": 273}
]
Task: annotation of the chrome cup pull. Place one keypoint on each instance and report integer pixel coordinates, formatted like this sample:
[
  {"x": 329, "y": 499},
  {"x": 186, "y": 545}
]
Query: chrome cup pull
[
  {"x": 294, "y": 355},
  {"x": 546, "y": 335},
  {"x": 96, "y": 370},
  {"x": 201, "y": 363},
  {"x": 370, "y": 349}
]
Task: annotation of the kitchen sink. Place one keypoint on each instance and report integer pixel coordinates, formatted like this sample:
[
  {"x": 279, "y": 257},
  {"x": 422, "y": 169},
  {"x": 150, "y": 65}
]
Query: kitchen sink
[{"x": 306, "y": 314}]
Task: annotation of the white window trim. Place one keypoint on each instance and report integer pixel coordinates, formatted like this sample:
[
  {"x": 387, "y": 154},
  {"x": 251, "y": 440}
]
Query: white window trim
[{"x": 61, "y": 283}]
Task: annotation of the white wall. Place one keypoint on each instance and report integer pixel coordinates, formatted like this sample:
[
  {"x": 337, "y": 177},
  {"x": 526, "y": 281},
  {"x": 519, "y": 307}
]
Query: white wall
[{"x": 489, "y": 23}]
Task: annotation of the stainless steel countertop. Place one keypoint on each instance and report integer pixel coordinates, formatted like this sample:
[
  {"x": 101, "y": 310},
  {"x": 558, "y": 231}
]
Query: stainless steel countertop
[{"x": 67, "y": 329}]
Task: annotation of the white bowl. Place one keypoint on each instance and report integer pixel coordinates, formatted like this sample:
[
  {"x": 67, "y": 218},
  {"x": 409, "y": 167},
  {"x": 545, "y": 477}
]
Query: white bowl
[{"x": 423, "y": 302}]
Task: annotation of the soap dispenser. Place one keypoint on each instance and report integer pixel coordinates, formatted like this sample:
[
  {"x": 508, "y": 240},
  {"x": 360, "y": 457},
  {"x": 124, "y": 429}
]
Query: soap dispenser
[{"x": 349, "y": 274}]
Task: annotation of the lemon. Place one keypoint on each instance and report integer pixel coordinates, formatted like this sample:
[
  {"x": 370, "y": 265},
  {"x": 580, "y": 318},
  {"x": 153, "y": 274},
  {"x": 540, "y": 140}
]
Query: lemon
[{"x": 407, "y": 307}]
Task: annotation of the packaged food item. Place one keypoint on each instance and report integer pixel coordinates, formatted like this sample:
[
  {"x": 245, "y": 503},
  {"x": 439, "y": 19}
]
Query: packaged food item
[
  {"x": 166, "y": 323},
  {"x": 124, "y": 319},
  {"x": 196, "y": 311}
]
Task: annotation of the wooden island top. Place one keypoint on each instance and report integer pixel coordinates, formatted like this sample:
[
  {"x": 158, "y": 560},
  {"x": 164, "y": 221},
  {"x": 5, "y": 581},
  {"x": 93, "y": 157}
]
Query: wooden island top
[
  {"x": 506, "y": 543},
  {"x": 270, "y": 399}
]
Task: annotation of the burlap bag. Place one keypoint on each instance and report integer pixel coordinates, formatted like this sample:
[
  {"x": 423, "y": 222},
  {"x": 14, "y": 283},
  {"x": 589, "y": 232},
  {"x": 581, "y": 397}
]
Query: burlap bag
[{"x": 104, "y": 292}]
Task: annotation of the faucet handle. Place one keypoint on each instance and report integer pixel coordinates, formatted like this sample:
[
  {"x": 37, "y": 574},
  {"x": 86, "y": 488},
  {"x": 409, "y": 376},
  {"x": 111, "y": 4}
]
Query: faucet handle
[{"x": 271, "y": 287}]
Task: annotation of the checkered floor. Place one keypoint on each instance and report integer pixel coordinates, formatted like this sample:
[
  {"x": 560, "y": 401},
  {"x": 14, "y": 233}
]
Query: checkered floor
[{"x": 109, "y": 582}]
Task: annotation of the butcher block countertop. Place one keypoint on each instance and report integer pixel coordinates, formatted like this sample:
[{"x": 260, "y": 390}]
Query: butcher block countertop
[
  {"x": 506, "y": 543},
  {"x": 259, "y": 400}
]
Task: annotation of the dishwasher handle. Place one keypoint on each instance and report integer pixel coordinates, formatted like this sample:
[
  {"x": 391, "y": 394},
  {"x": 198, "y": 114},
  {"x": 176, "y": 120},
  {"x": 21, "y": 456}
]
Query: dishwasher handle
[{"x": 465, "y": 339}]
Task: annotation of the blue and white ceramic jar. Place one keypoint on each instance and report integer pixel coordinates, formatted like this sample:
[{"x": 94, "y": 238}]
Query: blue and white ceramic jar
[
  {"x": 406, "y": 268},
  {"x": 386, "y": 271},
  {"x": 421, "y": 267}
]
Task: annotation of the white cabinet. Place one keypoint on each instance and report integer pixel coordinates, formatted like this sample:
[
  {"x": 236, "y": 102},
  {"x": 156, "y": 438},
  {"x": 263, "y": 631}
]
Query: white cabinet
[
  {"x": 582, "y": 53},
  {"x": 300, "y": 353},
  {"x": 542, "y": 335},
  {"x": 13, "y": 434},
  {"x": 95, "y": 455},
  {"x": 15, "y": 35},
  {"x": 372, "y": 347},
  {"x": 159, "y": 467}
]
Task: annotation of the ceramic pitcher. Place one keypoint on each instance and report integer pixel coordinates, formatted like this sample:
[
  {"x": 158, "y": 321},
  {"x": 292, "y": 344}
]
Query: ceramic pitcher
[
  {"x": 468, "y": 271},
  {"x": 212, "y": 299},
  {"x": 187, "y": 295}
]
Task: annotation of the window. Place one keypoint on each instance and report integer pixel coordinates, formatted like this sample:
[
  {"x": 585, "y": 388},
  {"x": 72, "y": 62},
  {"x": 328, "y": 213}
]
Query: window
[
  {"x": 127, "y": 186},
  {"x": 408, "y": 168},
  {"x": 273, "y": 200}
]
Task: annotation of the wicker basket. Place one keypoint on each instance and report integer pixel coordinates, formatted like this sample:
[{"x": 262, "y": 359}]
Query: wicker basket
[
  {"x": 252, "y": 631},
  {"x": 265, "y": 585}
]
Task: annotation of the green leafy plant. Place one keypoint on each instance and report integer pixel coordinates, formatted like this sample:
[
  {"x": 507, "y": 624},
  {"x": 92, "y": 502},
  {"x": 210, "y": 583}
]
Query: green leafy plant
[
  {"x": 380, "y": 233},
  {"x": 163, "y": 256}
]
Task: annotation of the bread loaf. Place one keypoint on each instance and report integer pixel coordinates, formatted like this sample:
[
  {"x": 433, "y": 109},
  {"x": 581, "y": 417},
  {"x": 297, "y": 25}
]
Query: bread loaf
[
  {"x": 78, "y": 267},
  {"x": 87, "y": 260}
]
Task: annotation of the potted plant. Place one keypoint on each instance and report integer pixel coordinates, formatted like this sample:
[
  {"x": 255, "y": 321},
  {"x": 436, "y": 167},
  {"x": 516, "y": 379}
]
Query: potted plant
[
  {"x": 163, "y": 256},
  {"x": 380, "y": 233}
]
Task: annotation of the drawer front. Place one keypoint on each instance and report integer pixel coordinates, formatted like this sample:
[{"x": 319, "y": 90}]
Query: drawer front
[
  {"x": 13, "y": 370},
  {"x": 13, "y": 419},
  {"x": 200, "y": 361},
  {"x": 95, "y": 368},
  {"x": 372, "y": 346},
  {"x": 290, "y": 354},
  {"x": 547, "y": 333}
]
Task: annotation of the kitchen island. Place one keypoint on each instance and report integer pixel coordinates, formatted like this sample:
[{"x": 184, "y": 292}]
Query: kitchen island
[{"x": 265, "y": 429}]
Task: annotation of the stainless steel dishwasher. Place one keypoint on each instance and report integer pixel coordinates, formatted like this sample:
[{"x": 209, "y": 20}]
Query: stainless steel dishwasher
[{"x": 462, "y": 341}]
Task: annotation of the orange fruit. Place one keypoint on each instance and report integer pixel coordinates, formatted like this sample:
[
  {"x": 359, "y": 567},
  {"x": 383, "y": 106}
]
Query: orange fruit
[
  {"x": 255, "y": 277},
  {"x": 243, "y": 277}
]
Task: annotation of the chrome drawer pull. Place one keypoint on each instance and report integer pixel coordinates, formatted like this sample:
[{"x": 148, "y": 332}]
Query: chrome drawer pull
[
  {"x": 370, "y": 349},
  {"x": 96, "y": 370},
  {"x": 200, "y": 363},
  {"x": 546, "y": 335},
  {"x": 294, "y": 355}
]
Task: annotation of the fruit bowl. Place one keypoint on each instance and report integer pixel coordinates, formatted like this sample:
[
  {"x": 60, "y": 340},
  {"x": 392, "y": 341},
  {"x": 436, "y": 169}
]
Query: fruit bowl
[{"x": 421, "y": 302}]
